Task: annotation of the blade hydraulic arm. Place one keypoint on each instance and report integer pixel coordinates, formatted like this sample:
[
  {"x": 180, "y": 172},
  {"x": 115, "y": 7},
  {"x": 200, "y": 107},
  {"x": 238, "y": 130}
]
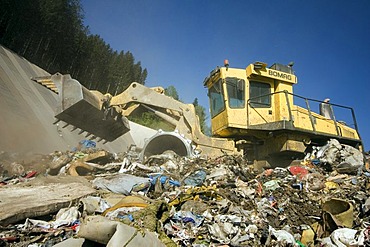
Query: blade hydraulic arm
[
  {"x": 181, "y": 114},
  {"x": 104, "y": 116}
]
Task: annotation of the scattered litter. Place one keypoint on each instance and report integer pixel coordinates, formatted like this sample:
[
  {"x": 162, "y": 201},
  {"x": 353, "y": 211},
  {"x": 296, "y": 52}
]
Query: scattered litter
[{"x": 168, "y": 200}]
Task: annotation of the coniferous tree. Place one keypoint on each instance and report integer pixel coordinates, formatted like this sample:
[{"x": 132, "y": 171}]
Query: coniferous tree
[
  {"x": 171, "y": 91},
  {"x": 201, "y": 113},
  {"x": 51, "y": 34}
]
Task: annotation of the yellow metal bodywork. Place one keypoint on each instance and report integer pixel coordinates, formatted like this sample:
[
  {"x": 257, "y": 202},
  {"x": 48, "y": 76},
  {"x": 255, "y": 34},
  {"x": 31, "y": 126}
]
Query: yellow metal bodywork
[
  {"x": 237, "y": 118},
  {"x": 240, "y": 118},
  {"x": 281, "y": 126},
  {"x": 239, "y": 123},
  {"x": 322, "y": 125}
]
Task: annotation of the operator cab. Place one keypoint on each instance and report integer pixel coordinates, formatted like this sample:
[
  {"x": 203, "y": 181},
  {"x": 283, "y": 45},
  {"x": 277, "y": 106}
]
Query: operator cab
[{"x": 241, "y": 98}]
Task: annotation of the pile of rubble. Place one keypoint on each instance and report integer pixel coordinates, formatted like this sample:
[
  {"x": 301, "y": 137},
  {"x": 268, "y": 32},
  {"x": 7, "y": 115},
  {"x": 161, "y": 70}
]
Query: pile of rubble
[{"x": 91, "y": 197}]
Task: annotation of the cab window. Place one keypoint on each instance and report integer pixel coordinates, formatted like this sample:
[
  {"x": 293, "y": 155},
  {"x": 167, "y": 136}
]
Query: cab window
[
  {"x": 235, "y": 91},
  {"x": 259, "y": 94},
  {"x": 216, "y": 98}
]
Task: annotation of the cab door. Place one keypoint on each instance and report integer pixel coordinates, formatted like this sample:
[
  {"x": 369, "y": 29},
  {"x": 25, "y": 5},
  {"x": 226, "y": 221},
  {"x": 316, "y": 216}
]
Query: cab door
[{"x": 260, "y": 103}]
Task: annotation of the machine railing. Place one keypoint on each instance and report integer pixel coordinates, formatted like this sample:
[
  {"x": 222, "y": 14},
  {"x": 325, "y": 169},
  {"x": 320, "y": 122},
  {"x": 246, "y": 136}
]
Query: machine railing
[{"x": 338, "y": 111}]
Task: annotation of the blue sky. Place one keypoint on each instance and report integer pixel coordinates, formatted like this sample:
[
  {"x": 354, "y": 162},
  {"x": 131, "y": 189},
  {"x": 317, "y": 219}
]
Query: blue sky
[{"x": 180, "y": 42}]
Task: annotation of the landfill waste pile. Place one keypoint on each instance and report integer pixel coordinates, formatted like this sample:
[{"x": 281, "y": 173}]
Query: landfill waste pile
[{"x": 90, "y": 197}]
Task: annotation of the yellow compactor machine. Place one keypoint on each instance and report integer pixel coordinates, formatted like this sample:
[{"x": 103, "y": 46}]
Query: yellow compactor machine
[
  {"x": 253, "y": 112},
  {"x": 256, "y": 108}
]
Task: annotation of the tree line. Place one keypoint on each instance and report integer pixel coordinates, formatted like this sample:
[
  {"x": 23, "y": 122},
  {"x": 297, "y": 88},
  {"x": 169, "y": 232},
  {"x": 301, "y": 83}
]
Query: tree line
[{"x": 51, "y": 34}]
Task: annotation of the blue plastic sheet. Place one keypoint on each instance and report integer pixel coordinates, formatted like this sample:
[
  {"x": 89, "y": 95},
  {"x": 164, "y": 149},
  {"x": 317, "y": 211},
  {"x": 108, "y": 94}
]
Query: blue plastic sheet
[{"x": 196, "y": 179}]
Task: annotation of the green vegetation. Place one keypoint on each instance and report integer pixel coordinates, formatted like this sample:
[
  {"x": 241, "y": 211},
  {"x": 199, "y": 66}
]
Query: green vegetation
[
  {"x": 201, "y": 112},
  {"x": 172, "y": 92},
  {"x": 51, "y": 34},
  {"x": 150, "y": 120}
]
